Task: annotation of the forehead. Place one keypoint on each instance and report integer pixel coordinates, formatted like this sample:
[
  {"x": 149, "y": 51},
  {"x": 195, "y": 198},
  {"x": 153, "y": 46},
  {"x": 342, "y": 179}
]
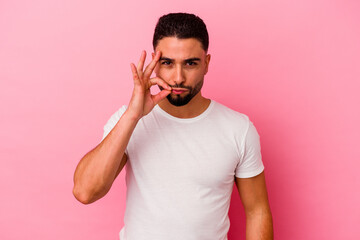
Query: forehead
[{"x": 176, "y": 48}]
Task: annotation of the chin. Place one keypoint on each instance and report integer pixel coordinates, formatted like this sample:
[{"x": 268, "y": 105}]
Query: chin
[{"x": 179, "y": 101}]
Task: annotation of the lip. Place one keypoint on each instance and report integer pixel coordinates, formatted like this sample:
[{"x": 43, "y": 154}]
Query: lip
[{"x": 179, "y": 90}]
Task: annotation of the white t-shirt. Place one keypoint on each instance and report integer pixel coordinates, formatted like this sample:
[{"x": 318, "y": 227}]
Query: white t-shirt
[{"x": 180, "y": 172}]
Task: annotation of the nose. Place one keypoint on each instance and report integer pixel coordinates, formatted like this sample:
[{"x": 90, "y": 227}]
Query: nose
[{"x": 179, "y": 77}]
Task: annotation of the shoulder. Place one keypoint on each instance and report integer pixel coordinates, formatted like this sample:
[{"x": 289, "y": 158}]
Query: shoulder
[
  {"x": 229, "y": 115},
  {"x": 113, "y": 120},
  {"x": 115, "y": 117}
]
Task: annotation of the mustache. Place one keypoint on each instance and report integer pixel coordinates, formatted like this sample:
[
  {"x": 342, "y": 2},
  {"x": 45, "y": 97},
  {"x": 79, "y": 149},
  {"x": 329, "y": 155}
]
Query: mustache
[{"x": 180, "y": 86}]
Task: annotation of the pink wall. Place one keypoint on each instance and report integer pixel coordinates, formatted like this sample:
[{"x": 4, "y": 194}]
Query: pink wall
[{"x": 292, "y": 66}]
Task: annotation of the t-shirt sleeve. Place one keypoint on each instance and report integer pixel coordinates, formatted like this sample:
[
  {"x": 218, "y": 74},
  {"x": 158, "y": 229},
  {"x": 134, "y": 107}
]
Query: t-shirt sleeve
[
  {"x": 251, "y": 163},
  {"x": 113, "y": 121}
]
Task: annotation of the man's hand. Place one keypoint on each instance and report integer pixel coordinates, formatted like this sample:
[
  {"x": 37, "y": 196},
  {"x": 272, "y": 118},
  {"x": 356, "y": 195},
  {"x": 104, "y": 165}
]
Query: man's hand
[
  {"x": 98, "y": 169},
  {"x": 142, "y": 102}
]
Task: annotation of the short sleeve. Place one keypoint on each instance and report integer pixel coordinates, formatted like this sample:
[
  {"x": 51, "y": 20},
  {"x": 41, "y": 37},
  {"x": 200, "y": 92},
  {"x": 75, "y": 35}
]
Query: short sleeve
[
  {"x": 113, "y": 121},
  {"x": 251, "y": 163}
]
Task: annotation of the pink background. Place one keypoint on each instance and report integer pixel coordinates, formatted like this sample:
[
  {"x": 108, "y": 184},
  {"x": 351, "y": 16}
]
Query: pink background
[{"x": 292, "y": 66}]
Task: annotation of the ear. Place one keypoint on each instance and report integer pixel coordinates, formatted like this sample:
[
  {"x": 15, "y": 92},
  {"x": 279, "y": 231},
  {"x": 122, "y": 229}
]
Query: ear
[
  {"x": 152, "y": 55},
  {"x": 207, "y": 61}
]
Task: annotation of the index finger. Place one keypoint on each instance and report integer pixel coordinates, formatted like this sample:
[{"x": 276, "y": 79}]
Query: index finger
[{"x": 150, "y": 68}]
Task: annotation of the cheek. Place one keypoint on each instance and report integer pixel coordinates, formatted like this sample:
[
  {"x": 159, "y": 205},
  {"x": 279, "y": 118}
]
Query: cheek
[
  {"x": 163, "y": 73},
  {"x": 196, "y": 75}
]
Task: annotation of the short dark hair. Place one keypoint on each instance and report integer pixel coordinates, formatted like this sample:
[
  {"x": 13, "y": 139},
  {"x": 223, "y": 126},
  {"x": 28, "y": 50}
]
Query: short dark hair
[{"x": 182, "y": 26}]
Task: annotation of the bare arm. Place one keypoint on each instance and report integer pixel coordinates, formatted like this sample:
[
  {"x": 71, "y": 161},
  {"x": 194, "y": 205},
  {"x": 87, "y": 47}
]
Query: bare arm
[
  {"x": 98, "y": 169},
  {"x": 254, "y": 197}
]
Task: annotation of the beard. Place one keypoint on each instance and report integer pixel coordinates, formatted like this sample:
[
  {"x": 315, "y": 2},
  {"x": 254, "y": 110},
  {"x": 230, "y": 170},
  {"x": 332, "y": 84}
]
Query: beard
[{"x": 178, "y": 100}]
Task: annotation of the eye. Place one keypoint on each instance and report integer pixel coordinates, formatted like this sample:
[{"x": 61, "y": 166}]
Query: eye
[
  {"x": 165, "y": 62},
  {"x": 191, "y": 63}
]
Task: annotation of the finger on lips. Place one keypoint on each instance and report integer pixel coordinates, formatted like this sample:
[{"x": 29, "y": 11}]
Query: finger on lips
[{"x": 160, "y": 82}]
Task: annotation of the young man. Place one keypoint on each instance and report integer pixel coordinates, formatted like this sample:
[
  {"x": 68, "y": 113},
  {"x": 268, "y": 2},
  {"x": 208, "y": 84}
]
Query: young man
[{"x": 182, "y": 151}]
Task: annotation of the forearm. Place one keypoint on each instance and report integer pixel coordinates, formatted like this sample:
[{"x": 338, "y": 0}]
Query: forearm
[
  {"x": 259, "y": 225},
  {"x": 97, "y": 170}
]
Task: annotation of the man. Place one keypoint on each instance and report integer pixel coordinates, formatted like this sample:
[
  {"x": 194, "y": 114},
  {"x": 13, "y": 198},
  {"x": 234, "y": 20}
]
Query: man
[{"x": 182, "y": 151}]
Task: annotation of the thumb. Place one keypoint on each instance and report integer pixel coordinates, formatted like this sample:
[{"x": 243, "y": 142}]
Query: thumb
[{"x": 160, "y": 96}]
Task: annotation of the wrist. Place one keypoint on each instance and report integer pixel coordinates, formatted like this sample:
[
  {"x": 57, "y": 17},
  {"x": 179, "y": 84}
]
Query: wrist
[{"x": 132, "y": 117}]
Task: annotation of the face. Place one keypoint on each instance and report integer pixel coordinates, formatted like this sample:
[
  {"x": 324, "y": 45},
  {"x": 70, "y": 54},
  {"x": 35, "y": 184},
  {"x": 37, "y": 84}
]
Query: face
[{"x": 183, "y": 65}]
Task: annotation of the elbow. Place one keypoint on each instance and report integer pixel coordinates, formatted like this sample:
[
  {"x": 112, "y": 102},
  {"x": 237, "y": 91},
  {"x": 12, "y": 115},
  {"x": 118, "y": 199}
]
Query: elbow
[
  {"x": 82, "y": 196},
  {"x": 87, "y": 196}
]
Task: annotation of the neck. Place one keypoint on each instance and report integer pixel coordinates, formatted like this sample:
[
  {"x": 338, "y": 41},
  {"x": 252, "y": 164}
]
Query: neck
[{"x": 194, "y": 108}]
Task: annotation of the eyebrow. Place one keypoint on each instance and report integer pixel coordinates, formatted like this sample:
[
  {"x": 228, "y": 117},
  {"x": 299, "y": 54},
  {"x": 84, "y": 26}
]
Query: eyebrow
[{"x": 186, "y": 60}]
